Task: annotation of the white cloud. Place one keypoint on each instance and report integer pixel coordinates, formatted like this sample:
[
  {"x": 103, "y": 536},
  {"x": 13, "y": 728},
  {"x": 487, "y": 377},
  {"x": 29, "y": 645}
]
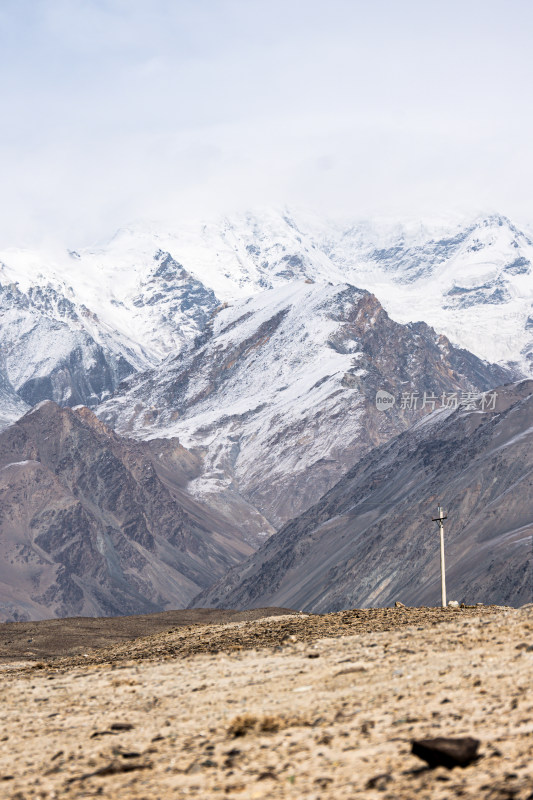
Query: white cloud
[{"x": 120, "y": 109}]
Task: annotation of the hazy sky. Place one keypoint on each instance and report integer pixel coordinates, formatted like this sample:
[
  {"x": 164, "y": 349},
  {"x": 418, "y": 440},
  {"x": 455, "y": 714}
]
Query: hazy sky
[{"x": 113, "y": 110}]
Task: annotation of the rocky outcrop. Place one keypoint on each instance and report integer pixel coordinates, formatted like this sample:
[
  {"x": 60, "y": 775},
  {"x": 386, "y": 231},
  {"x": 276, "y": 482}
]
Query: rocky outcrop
[
  {"x": 371, "y": 539},
  {"x": 92, "y": 524},
  {"x": 176, "y": 295}
]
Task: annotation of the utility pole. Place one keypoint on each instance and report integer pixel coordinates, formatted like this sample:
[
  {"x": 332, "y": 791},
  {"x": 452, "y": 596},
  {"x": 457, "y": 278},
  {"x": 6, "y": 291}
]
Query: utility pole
[{"x": 441, "y": 516}]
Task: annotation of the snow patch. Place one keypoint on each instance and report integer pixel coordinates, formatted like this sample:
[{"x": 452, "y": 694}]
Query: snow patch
[{"x": 19, "y": 464}]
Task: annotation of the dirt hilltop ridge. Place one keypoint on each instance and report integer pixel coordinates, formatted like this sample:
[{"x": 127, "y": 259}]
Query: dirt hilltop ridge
[
  {"x": 255, "y": 629},
  {"x": 288, "y": 706},
  {"x": 70, "y": 636}
]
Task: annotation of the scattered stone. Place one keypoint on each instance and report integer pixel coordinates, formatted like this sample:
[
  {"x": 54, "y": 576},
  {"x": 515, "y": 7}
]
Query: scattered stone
[
  {"x": 323, "y": 782},
  {"x": 453, "y": 604},
  {"x": 114, "y": 768},
  {"x": 127, "y": 753},
  {"x": 397, "y": 604},
  {"x": 115, "y": 728},
  {"x": 379, "y": 782},
  {"x": 348, "y": 670},
  {"x": 267, "y": 775},
  {"x": 367, "y": 726},
  {"x": 446, "y": 752}
]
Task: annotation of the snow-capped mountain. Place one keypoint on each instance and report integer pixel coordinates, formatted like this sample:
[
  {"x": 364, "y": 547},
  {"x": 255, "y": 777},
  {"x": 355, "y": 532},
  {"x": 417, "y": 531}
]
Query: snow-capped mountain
[
  {"x": 73, "y": 327},
  {"x": 279, "y": 394},
  {"x": 471, "y": 280},
  {"x": 56, "y": 349},
  {"x": 75, "y": 323}
]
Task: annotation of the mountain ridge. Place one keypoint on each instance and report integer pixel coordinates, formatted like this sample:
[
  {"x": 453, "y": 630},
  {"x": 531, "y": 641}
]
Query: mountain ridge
[{"x": 77, "y": 322}]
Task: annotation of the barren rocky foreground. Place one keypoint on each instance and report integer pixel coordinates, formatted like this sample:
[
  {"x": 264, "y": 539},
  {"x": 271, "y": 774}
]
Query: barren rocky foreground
[{"x": 293, "y": 706}]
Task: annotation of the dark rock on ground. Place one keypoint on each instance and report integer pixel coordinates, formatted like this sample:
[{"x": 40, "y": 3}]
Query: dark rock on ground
[{"x": 446, "y": 752}]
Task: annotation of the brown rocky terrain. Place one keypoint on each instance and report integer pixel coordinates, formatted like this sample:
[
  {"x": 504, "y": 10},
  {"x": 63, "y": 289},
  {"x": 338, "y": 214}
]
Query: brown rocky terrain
[
  {"x": 295, "y": 706},
  {"x": 93, "y": 524}
]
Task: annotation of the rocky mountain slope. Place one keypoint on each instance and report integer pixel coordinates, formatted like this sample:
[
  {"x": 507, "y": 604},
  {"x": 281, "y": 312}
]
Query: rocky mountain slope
[
  {"x": 371, "y": 541},
  {"x": 70, "y": 331},
  {"x": 92, "y": 524},
  {"x": 278, "y": 396}
]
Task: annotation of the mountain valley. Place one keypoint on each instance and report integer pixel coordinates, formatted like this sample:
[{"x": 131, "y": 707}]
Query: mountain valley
[{"x": 242, "y": 359}]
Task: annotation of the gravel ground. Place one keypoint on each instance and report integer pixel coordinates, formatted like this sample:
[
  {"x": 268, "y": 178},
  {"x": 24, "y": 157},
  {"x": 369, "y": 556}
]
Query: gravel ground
[
  {"x": 49, "y": 638},
  {"x": 286, "y": 707}
]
